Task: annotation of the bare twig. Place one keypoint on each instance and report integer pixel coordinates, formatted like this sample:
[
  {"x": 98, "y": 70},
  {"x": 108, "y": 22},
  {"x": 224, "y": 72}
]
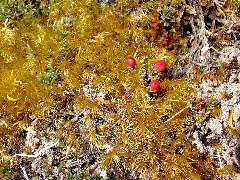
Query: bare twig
[
  {"x": 178, "y": 113},
  {"x": 40, "y": 152},
  {"x": 61, "y": 178},
  {"x": 24, "y": 173}
]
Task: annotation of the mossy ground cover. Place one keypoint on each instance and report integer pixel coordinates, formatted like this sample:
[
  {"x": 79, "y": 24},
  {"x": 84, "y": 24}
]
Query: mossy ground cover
[{"x": 56, "y": 56}]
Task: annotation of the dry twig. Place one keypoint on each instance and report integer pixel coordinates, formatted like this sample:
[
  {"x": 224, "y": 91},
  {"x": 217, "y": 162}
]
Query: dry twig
[{"x": 40, "y": 152}]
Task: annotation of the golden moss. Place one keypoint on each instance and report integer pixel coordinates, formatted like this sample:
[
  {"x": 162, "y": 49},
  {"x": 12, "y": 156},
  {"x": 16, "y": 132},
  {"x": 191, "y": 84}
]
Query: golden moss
[{"x": 82, "y": 42}]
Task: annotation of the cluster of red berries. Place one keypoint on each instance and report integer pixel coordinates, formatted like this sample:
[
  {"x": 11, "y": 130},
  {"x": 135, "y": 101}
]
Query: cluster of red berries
[{"x": 160, "y": 65}]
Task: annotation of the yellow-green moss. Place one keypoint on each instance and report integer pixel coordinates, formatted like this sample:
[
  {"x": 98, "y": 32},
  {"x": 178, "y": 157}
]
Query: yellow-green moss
[{"x": 83, "y": 42}]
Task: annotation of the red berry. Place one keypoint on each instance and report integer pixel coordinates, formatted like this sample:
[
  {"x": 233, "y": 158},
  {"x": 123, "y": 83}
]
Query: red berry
[
  {"x": 131, "y": 62},
  {"x": 161, "y": 65},
  {"x": 200, "y": 103},
  {"x": 154, "y": 85}
]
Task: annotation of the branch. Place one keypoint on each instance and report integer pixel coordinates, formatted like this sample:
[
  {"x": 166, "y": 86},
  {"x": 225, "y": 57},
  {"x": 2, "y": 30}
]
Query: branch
[
  {"x": 178, "y": 113},
  {"x": 24, "y": 173},
  {"x": 41, "y": 151}
]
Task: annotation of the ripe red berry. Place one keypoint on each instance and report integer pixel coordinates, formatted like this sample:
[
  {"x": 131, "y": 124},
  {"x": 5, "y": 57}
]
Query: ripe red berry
[
  {"x": 161, "y": 65},
  {"x": 154, "y": 85},
  {"x": 131, "y": 62}
]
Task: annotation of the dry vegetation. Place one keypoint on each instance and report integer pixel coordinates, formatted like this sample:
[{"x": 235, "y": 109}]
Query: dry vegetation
[{"x": 64, "y": 80}]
